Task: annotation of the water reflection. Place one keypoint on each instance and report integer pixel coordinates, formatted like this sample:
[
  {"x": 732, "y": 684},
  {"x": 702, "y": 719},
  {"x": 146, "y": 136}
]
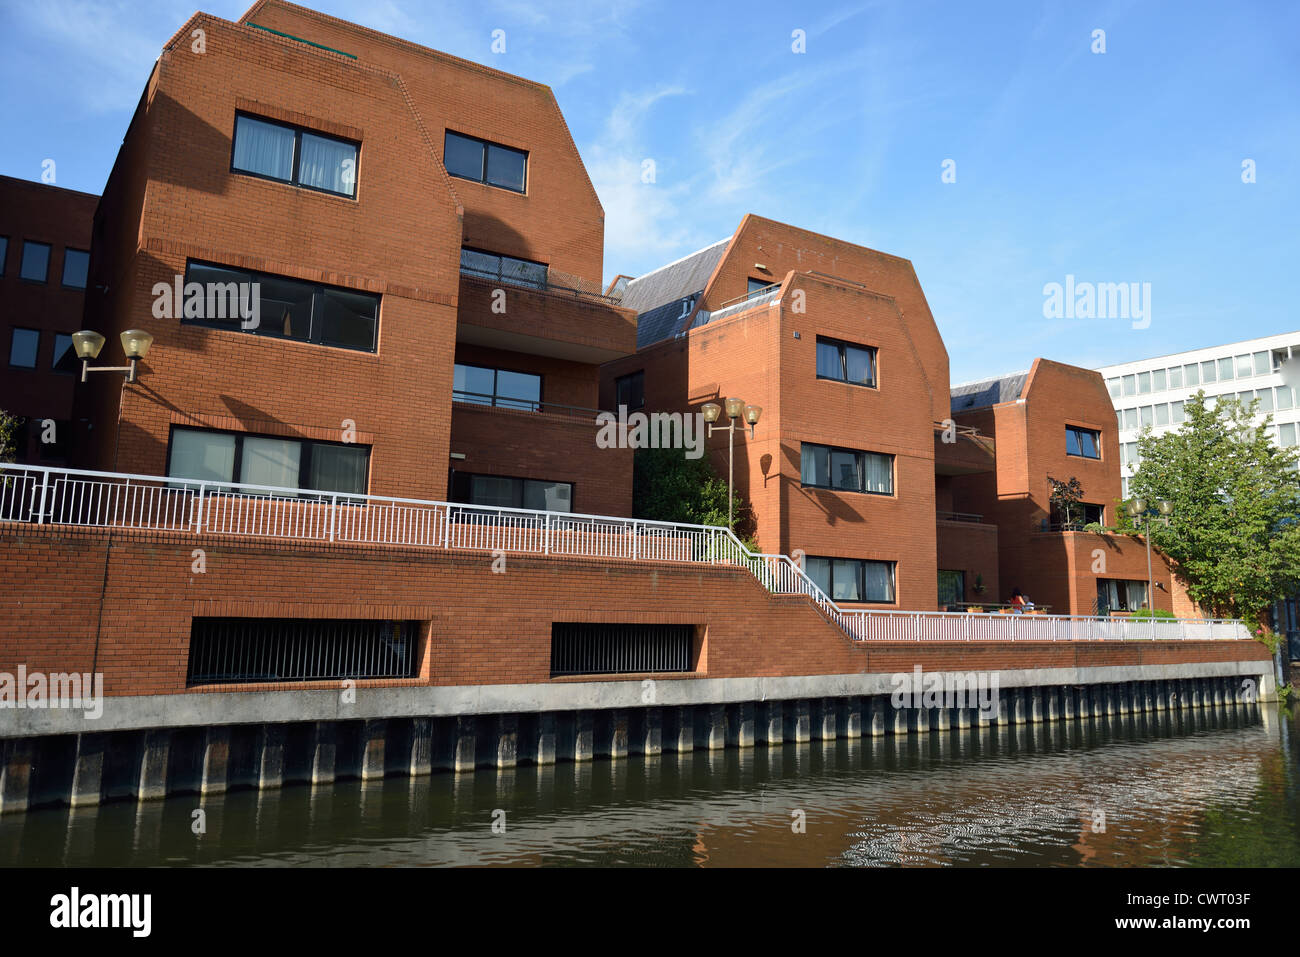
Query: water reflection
[{"x": 1194, "y": 787}]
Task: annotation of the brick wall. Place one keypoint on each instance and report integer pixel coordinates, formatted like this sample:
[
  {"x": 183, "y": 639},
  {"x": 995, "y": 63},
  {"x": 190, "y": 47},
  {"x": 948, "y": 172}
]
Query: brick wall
[
  {"x": 62, "y": 219},
  {"x": 486, "y": 628}
]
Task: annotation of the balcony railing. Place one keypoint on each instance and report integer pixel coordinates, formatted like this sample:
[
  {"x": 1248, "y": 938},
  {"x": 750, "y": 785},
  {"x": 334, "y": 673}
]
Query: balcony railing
[
  {"x": 959, "y": 517},
  {"x": 555, "y": 283},
  {"x": 50, "y": 496},
  {"x": 524, "y": 405}
]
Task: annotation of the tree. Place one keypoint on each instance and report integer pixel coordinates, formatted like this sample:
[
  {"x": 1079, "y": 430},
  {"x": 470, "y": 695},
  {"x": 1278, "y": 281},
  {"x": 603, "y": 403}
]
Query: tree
[
  {"x": 1064, "y": 497},
  {"x": 668, "y": 487},
  {"x": 9, "y": 427},
  {"x": 1234, "y": 530}
]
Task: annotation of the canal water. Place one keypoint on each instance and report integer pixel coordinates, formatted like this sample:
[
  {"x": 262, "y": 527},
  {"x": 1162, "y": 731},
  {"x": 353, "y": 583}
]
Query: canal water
[{"x": 1210, "y": 787}]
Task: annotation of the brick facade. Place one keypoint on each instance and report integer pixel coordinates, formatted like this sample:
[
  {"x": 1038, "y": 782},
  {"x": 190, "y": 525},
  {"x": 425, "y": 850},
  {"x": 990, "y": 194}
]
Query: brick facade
[{"x": 61, "y": 219}]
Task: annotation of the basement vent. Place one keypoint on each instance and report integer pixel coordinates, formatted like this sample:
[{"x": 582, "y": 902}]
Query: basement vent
[
  {"x": 586, "y": 648},
  {"x": 226, "y": 650}
]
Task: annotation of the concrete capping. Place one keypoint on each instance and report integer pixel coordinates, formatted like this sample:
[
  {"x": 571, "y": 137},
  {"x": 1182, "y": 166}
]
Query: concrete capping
[{"x": 207, "y": 709}]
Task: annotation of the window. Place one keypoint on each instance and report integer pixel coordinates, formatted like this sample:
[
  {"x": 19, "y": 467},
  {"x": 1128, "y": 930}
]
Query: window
[
  {"x": 1286, "y": 436},
  {"x": 1084, "y": 442},
  {"x": 290, "y": 154},
  {"x": 211, "y": 456},
  {"x": 1284, "y": 397},
  {"x": 1208, "y": 374},
  {"x": 1225, "y": 369},
  {"x": 630, "y": 390},
  {"x": 1263, "y": 364},
  {"x": 285, "y": 308},
  {"x": 1114, "y": 594},
  {"x": 23, "y": 345},
  {"x": 75, "y": 264},
  {"x": 1130, "y": 385},
  {"x": 1176, "y": 377},
  {"x": 499, "y": 491},
  {"x": 847, "y": 470},
  {"x": 482, "y": 385},
  {"x": 1144, "y": 383},
  {"x": 1245, "y": 367},
  {"x": 952, "y": 587},
  {"x": 36, "y": 262},
  {"x": 1158, "y": 380},
  {"x": 1265, "y": 397},
  {"x": 1130, "y": 418},
  {"x": 1148, "y": 417},
  {"x": 846, "y": 363},
  {"x": 1081, "y": 514},
  {"x": 65, "y": 357},
  {"x": 4, "y": 253},
  {"x": 1191, "y": 374},
  {"x": 852, "y": 579},
  {"x": 1176, "y": 412},
  {"x": 519, "y": 272},
  {"x": 1116, "y": 390},
  {"x": 757, "y": 287},
  {"x": 484, "y": 162},
  {"x": 1162, "y": 414}
]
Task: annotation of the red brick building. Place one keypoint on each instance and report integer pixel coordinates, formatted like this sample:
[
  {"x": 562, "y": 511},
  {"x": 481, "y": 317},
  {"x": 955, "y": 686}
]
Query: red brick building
[
  {"x": 861, "y": 451},
  {"x": 1054, "y": 420},
  {"x": 44, "y": 252},
  {"x": 428, "y": 250}
]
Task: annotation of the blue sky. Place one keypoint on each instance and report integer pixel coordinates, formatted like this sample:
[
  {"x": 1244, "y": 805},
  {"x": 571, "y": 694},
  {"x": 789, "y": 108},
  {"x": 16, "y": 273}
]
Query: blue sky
[{"x": 1123, "y": 166}]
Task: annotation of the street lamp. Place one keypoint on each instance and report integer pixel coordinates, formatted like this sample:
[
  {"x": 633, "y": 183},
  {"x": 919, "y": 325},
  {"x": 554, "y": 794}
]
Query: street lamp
[
  {"x": 736, "y": 409},
  {"x": 1142, "y": 516},
  {"x": 87, "y": 343}
]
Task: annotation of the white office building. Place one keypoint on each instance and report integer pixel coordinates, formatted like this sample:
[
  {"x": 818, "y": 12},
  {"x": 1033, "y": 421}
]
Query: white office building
[{"x": 1152, "y": 391}]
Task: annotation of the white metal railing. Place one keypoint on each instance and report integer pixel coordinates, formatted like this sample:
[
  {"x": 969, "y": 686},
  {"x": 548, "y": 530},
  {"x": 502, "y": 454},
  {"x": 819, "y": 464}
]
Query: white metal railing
[{"x": 41, "y": 495}]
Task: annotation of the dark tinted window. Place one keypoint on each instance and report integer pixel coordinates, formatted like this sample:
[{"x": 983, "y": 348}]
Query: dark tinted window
[
  {"x": 23, "y": 345},
  {"x": 65, "y": 357},
  {"x": 484, "y": 162},
  {"x": 1084, "y": 442},
  {"x": 845, "y": 362},
  {"x": 36, "y": 261},
  {"x": 4, "y": 253},
  {"x": 630, "y": 390},
  {"x": 463, "y": 156},
  {"x": 285, "y": 308},
  {"x": 519, "y": 272},
  {"x": 499, "y": 387},
  {"x": 505, "y": 167},
  {"x": 75, "y": 264},
  {"x": 276, "y": 461}
]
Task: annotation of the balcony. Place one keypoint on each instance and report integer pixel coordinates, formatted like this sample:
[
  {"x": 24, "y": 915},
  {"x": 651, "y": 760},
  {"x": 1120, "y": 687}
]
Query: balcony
[{"x": 543, "y": 318}]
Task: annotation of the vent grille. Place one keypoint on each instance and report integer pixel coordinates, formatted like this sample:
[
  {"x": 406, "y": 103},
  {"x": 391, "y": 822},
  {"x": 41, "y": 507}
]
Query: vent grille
[
  {"x": 586, "y": 648},
  {"x": 227, "y": 650}
]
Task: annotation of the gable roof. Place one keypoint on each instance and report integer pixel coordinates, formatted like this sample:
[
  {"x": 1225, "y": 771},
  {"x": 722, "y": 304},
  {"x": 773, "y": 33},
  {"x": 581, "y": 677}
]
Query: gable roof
[
  {"x": 986, "y": 392},
  {"x": 675, "y": 281}
]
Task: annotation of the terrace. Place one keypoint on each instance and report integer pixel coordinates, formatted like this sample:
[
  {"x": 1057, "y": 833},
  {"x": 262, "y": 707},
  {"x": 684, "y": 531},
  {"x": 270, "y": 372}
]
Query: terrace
[{"x": 35, "y": 495}]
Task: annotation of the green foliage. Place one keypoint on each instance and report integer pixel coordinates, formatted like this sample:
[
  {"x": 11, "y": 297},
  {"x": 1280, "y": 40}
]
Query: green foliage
[
  {"x": 1151, "y": 613},
  {"x": 1235, "y": 526},
  {"x": 668, "y": 487},
  {"x": 8, "y": 434}
]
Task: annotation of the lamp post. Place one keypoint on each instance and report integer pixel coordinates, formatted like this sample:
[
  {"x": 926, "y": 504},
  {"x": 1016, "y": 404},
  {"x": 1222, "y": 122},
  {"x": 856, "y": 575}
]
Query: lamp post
[
  {"x": 135, "y": 343},
  {"x": 736, "y": 408},
  {"x": 1137, "y": 510}
]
